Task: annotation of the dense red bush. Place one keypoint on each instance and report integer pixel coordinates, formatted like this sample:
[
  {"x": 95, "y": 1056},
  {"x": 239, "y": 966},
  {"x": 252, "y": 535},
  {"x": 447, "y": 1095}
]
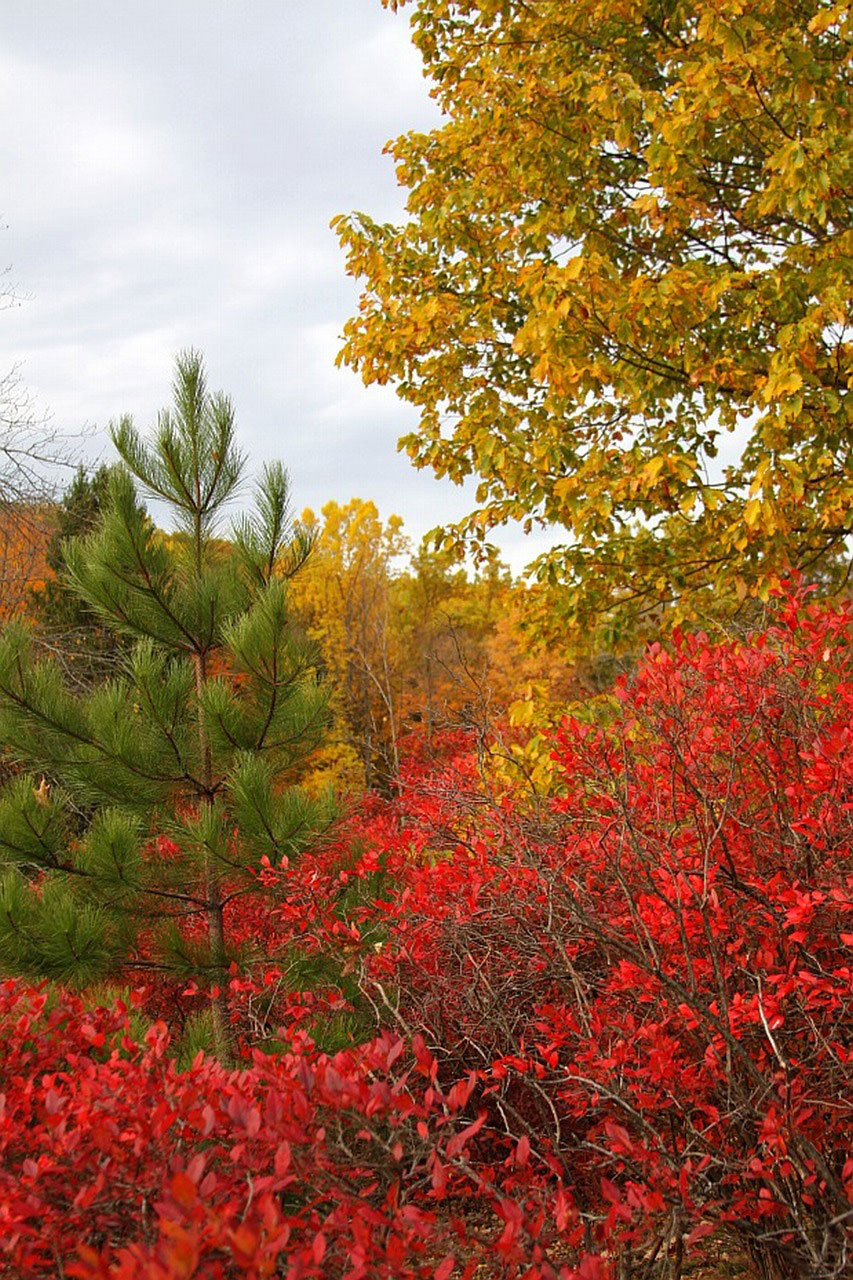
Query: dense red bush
[
  {"x": 652, "y": 976},
  {"x": 619, "y": 1024},
  {"x": 114, "y": 1163}
]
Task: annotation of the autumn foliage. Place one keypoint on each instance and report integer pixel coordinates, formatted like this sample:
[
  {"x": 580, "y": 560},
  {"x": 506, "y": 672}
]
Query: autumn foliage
[
  {"x": 566, "y": 993},
  {"x": 620, "y": 293},
  {"x": 610, "y": 1031},
  {"x": 24, "y": 537}
]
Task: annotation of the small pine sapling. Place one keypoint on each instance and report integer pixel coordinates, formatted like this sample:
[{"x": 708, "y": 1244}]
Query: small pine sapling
[{"x": 148, "y": 805}]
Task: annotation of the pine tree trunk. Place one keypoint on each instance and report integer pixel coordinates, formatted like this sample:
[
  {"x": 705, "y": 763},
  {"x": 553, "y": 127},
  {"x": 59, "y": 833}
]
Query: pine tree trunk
[{"x": 222, "y": 1037}]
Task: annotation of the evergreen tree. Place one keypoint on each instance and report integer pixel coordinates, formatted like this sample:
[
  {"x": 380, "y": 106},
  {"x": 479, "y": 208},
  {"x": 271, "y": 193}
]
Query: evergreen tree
[
  {"x": 198, "y": 738},
  {"x": 86, "y": 648}
]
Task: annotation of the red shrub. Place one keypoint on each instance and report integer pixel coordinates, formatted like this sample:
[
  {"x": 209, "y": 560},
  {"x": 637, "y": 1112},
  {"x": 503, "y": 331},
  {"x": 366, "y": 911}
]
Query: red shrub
[
  {"x": 652, "y": 978},
  {"x": 110, "y": 1156}
]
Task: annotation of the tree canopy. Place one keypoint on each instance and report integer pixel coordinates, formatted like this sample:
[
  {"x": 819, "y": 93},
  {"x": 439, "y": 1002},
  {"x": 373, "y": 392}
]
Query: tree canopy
[{"x": 621, "y": 293}]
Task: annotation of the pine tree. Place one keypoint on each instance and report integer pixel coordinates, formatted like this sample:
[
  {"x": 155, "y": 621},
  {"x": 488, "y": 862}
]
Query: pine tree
[
  {"x": 197, "y": 739},
  {"x": 67, "y": 624}
]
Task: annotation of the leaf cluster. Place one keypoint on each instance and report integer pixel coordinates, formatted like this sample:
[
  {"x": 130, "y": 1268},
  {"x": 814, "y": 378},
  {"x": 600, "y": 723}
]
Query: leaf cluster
[{"x": 620, "y": 297}]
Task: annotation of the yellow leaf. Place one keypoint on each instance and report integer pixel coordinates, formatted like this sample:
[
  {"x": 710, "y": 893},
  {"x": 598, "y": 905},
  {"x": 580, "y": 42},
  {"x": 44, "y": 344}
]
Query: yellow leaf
[
  {"x": 784, "y": 383},
  {"x": 653, "y": 468},
  {"x": 760, "y": 472}
]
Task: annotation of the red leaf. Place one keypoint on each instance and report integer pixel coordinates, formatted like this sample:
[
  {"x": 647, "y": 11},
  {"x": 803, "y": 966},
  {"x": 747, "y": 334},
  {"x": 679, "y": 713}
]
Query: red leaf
[
  {"x": 610, "y": 1191},
  {"x": 460, "y": 1140},
  {"x": 183, "y": 1190}
]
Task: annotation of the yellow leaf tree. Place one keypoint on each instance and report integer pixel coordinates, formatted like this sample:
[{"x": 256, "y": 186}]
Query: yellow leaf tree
[
  {"x": 621, "y": 293},
  {"x": 343, "y": 598},
  {"x": 447, "y": 619},
  {"x": 409, "y": 643}
]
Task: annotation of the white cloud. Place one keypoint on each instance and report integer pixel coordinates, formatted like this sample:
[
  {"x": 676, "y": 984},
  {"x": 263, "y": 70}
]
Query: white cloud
[
  {"x": 70, "y": 145},
  {"x": 171, "y": 171}
]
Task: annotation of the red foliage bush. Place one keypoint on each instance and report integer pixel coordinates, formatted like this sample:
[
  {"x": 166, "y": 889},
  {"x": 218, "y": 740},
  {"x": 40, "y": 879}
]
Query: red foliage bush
[
  {"x": 620, "y": 1022},
  {"x": 652, "y": 978},
  {"x": 114, "y": 1163}
]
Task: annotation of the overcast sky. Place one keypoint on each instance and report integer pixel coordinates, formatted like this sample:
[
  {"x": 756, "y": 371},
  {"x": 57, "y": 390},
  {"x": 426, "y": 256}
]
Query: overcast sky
[{"x": 171, "y": 167}]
